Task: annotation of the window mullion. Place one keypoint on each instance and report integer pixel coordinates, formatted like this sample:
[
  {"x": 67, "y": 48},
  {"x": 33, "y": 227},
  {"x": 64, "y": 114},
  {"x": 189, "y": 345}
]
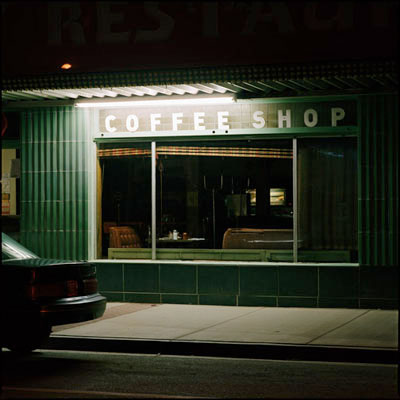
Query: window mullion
[
  {"x": 295, "y": 214},
  {"x": 153, "y": 201}
]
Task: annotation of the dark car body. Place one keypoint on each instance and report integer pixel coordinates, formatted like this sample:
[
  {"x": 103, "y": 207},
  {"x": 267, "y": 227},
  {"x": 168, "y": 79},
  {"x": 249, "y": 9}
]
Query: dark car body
[{"x": 38, "y": 293}]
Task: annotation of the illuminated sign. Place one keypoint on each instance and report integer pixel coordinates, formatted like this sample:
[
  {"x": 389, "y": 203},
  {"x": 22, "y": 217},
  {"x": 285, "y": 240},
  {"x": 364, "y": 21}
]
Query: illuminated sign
[{"x": 252, "y": 117}]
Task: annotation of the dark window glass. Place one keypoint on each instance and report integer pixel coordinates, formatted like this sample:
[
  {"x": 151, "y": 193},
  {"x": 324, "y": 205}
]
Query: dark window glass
[
  {"x": 225, "y": 195},
  {"x": 126, "y": 197},
  {"x": 327, "y": 195}
]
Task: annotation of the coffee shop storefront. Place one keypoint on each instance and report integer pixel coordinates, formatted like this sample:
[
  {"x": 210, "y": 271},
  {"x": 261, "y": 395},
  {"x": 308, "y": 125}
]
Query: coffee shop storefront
[
  {"x": 213, "y": 199},
  {"x": 221, "y": 153},
  {"x": 219, "y": 179}
]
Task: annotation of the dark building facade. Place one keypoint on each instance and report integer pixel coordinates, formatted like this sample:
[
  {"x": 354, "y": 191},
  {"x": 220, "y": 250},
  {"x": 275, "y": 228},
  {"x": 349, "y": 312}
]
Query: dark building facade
[{"x": 198, "y": 163}]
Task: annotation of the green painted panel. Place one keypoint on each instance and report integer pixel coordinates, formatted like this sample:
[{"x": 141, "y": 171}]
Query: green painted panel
[
  {"x": 178, "y": 278},
  {"x": 339, "y": 282},
  {"x": 379, "y": 288},
  {"x": 141, "y": 278},
  {"x": 218, "y": 280},
  {"x": 298, "y": 281},
  {"x": 109, "y": 277},
  {"x": 113, "y": 296},
  {"x": 384, "y": 304},
  {"x": 213, "y": 299},
  {"x": 142, "y": 298},
  {"x": 257, "y": 301},
  {"x": 335, "y": 302},
  {"x": 180, "y": 298},
  {"x": 258, "y": 280},
  {"x": 379, "y": 282},
  {"x": 297, "y": 301}
]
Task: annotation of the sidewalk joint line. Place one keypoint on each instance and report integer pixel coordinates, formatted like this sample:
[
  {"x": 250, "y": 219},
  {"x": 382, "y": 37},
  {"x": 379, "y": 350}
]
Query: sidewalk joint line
[
  {"x": 219, "y": 323},
  {"x": 338, "y": 327}
]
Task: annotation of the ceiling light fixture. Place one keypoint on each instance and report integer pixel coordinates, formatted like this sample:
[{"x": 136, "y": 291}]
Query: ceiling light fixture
[
  {"x": 154, "y": 102},
  {"x": 66, "y": 66}
]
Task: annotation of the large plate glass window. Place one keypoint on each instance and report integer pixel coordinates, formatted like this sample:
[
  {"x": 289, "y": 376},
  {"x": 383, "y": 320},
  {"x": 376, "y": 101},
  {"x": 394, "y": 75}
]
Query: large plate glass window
[
  {"x": 224, "y": 200},
  {"x": 215, "y": 200},
  {"x": 230, "y": 200},
  {"x": 126, "y": 199},
  {"x": 327, "y": 199}
]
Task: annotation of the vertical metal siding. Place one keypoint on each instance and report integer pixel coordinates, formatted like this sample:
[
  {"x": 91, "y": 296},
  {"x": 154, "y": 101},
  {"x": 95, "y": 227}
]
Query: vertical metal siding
[
  {"x": 54, "y": 182},
  {"x": 378, "y": 180}
]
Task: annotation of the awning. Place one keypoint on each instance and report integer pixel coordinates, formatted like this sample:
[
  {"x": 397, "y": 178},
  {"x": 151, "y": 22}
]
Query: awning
[{"x": 243, "y": 81}]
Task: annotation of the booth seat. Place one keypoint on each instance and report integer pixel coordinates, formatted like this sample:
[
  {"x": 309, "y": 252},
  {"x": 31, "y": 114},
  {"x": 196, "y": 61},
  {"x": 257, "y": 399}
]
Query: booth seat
[
  {"x": 124, "y": 237},
  {"x": 249, "y": 238}
]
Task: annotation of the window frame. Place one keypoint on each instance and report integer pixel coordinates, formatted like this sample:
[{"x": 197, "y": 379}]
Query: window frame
[{"x": 235, "y": 135}]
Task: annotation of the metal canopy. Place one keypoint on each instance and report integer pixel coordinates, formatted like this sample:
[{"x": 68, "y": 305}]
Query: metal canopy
[
  {"x": 243, "y": 81},
  {"x": 115, "y": 92}
]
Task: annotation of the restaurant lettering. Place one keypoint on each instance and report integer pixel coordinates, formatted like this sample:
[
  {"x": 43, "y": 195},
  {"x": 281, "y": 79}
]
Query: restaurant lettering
[
  {"x": 226, "y": 118},
  {"x": 119, "y": 22},
  {"x": 41, "y": 36}
]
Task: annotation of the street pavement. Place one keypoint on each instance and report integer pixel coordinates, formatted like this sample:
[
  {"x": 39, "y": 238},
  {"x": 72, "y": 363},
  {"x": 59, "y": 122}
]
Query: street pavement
[{"x": 332, "y": 334}]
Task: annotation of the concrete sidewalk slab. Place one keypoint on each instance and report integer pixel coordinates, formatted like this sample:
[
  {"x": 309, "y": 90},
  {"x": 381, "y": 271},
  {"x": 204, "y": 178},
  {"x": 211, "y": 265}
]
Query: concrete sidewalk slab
[
  {"x": 335, "y": 335},
  {"x": 296, "y": 326},
  {"x": 112, "y": 310},
  {"x": 375, "y": 328},
  {"x": 278, "y": 325},
  {"x": 167, "y": 321}
]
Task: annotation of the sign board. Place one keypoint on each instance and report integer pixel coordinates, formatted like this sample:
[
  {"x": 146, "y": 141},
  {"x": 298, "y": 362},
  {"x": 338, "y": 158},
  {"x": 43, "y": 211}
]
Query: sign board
[
  {"x": 40, "y": 37},
  {"x": 240, "y": 116}
]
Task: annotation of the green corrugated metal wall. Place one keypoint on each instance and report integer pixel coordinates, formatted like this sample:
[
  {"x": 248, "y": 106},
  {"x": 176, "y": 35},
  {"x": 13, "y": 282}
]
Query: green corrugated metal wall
[
  {"x": 378, "y": 180},
  {"x": 54, "y": 182}
]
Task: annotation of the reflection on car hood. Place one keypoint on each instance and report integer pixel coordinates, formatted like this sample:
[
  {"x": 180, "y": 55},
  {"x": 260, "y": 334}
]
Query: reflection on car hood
[{"x": 42, "y": 262}]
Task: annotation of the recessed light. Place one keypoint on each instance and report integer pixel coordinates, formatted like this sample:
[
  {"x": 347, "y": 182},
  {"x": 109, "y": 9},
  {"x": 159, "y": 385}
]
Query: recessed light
[{"x": 152, "y": 102}]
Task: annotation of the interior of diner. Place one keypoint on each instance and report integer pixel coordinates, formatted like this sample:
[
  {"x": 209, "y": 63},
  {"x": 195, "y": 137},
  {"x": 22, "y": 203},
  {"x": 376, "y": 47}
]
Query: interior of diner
[{"x": 202, "y": 190}]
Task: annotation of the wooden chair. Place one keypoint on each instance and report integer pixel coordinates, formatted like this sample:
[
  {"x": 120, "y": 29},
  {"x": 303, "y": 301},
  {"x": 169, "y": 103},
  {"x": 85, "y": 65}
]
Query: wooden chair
[{"x": 124, "y": 237}]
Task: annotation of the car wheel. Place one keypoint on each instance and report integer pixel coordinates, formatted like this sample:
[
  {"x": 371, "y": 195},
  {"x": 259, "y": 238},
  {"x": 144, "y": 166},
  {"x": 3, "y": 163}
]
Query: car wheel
[{"x": 21, "y": 343}]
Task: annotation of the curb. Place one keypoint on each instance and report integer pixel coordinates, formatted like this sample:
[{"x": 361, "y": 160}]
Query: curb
[{"x": 265, "y": 351}]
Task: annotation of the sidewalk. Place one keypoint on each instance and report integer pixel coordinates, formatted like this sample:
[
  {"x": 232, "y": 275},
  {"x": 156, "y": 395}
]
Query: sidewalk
[{"x": 305, "y": 332}]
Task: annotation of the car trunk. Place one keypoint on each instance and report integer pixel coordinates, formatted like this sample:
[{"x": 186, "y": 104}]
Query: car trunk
[{"x": 37, "y": 279}]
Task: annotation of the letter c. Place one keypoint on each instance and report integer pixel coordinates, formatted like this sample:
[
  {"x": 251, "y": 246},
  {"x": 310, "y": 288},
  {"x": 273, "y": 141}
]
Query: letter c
[{"x": 107, "y": 122}]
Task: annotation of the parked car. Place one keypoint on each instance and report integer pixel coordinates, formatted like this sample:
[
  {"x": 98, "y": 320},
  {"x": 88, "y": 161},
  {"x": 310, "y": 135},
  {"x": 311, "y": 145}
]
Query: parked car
[{"x": 38, "y": 293}]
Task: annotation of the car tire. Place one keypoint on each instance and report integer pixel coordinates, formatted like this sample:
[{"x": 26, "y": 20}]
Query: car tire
[{"x": 23, "y": 344}]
